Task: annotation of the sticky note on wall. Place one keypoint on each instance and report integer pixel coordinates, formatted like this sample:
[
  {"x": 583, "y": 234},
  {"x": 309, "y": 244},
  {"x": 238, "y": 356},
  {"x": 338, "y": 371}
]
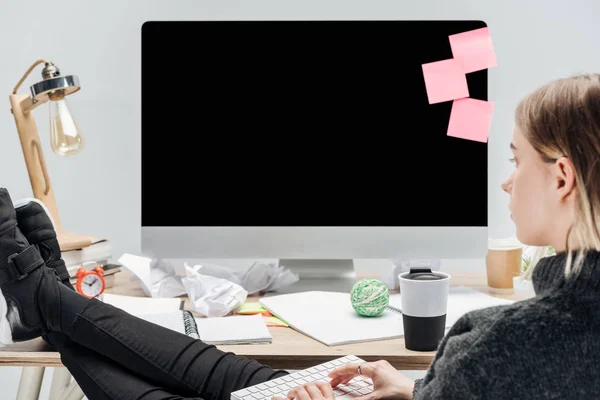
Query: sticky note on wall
[
  {"x": 474, "y": 48},
  {"x": 445, "y": 80},
  {"x": 470, "y": 119}
]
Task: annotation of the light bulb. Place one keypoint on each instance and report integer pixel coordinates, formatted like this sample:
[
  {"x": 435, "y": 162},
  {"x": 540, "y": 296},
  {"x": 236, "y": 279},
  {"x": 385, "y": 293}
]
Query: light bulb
[{"x": 65, "y": 136}]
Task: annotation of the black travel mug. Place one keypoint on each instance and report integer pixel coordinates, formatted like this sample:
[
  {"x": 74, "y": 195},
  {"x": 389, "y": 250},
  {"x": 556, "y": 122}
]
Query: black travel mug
[{"x": 424, "y": 295}]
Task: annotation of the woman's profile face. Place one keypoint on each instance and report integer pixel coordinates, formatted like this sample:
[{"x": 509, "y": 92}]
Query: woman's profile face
[{"x": 530, "y": 186}]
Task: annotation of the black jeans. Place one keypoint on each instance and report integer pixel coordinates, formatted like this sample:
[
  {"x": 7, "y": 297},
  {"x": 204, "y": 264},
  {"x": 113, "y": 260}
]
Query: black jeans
[{"x": 114, "y": 355}]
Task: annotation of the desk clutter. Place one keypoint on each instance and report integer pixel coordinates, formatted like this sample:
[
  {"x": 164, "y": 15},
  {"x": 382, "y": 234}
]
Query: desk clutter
[
  {"x": 99, "y": 253},
  {"x": 220, "y": 297},
  {"x": 169, "y": 313},
  {"x": 213, "y": 290},
  {"x": 307, "y": 312}
]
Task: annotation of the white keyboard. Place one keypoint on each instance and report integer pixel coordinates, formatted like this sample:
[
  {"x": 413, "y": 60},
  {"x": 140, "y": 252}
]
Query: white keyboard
[{"x": 280, "y": 387}]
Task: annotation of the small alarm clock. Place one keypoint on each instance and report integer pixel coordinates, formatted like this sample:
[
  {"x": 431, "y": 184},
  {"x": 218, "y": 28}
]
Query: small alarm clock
[{"x": 90, "y": 283}]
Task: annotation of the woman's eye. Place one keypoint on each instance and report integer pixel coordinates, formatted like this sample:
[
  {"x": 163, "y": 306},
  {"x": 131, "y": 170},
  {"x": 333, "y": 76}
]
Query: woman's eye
[{"x": 512, "y": 160}]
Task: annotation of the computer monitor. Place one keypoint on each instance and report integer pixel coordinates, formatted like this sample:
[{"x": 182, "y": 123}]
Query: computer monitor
[{"x": 305, "y": 140}]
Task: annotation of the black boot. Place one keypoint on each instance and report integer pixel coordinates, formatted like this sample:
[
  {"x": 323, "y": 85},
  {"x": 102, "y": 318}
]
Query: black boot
[
  {"x": 28, "y": 286},
  {"x": 35, "y": 223}
]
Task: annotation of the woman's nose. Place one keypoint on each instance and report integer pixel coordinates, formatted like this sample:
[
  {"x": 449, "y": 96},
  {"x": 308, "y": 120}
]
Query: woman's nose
[{"x": 507, "y": 184}]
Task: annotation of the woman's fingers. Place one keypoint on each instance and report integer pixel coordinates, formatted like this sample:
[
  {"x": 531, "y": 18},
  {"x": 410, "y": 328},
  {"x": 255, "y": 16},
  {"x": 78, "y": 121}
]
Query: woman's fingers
[
  {"x": 346, "y": 381},
  {"x": 313, "y": 391},
  {"x": 326, "y": 389},
  {"x": 366, "y": 369},
  {"x": 299, "y": 393},
  {"x": 310, "y": 391},
  {"x": 342, "y": 374},
  {"x": 348, "y": 369},
  {"x": 341, "y": 380},
  {"x": 346, "y": 373}
]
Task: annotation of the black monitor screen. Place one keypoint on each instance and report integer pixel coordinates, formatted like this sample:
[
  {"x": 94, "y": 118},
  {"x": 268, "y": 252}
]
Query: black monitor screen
[{"x": 304, "y": 123}]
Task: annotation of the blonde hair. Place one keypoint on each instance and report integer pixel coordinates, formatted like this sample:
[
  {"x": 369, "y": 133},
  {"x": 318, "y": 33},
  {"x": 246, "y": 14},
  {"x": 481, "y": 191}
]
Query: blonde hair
[{"x": 562, "y": 119}]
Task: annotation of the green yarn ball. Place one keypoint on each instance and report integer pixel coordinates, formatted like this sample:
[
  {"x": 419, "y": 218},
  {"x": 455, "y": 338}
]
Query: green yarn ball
[{"x": 370, "y": 297}]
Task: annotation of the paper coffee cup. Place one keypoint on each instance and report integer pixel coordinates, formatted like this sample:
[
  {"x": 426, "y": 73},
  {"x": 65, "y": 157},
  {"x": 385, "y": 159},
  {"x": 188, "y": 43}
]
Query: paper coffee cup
[
  {"x": 503, "y": 263},
  {"x": 424, "y": 295}
]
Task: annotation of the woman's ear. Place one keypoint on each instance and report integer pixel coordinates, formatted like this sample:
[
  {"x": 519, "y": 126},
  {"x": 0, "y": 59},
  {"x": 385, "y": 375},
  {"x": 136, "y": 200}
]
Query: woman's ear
[{"x": 565, "y": 177}]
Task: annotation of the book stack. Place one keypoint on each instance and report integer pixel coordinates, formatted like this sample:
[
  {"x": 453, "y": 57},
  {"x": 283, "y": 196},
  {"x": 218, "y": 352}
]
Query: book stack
[{"x": 99, "y": 253}]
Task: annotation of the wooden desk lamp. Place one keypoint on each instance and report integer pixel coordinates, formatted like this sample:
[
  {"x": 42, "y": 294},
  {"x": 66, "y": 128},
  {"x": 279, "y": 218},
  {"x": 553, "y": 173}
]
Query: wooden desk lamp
[{"x": 66, "y": 139}]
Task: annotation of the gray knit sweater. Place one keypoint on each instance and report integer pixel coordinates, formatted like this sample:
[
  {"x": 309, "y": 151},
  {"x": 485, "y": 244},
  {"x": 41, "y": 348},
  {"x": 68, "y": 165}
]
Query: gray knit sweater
[{"x": 546, "y": 347}]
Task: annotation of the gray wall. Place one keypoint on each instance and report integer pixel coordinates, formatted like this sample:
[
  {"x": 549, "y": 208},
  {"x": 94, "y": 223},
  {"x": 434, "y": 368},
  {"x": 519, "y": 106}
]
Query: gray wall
[{"x": 98, "y": 191}]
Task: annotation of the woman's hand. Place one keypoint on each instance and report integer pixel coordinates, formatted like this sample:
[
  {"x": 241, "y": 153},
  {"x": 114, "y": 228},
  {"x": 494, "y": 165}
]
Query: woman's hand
[
  {"x": 310, "y": 391},
  {"x": 388, "y": 383}
]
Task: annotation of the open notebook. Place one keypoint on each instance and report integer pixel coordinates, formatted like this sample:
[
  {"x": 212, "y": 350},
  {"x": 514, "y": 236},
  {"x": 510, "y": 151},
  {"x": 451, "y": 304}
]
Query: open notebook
[
  {"x": 166, "y": 312},
  {"x": 329, "y": 317},
  {"x": 239, "y": 329}
]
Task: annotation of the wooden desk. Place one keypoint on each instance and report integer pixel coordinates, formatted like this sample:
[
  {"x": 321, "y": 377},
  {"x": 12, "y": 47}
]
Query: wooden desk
[{"x": 289, "y": 349}]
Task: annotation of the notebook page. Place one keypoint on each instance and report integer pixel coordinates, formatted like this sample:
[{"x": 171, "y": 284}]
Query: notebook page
[
  {"x": 329, "y": 318},
  {"x": 241, "y": 329},
  {"x": 170, "y": 320},
  {"x": 143, "y": 305}
]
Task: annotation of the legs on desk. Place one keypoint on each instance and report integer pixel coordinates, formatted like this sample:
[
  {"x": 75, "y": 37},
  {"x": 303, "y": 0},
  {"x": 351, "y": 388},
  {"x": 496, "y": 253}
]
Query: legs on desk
[
  {"x": 152, "y": 356},
  {"x": 101, "y": 378},
  {"x": 48, "y": 305},
  {"x": 114, "y": 355}
]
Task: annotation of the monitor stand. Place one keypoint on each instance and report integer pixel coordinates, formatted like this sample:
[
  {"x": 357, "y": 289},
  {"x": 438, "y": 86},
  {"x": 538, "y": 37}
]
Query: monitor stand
[{"x": 323, "y": 275}]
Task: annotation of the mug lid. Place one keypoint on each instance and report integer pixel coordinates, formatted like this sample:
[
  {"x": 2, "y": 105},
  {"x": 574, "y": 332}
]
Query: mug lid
[{"x": 423, "y": 274}]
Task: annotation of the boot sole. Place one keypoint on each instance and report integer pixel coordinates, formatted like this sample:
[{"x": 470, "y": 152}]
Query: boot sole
[{"x": 5, "y": 331}]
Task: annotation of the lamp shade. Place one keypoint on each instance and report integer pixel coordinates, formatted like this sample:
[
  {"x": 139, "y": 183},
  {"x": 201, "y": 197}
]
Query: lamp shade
[{"x": 43, "y": 90}]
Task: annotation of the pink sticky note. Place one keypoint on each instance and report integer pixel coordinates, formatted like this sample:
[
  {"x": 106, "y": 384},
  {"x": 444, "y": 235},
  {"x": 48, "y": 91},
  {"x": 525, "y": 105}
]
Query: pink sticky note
[
  {"x": 474, "y": 48},
  {"x": 445, "y": 81},
  {"x": 470, "y": 119}
]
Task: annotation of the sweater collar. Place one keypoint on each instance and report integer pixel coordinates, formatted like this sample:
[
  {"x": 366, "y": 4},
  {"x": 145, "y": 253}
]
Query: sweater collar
[{"x": 550, "y": 273}]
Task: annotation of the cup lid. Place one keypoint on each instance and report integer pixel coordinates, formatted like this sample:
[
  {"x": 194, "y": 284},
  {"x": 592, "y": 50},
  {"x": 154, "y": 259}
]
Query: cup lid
[
  {"x": 504, "y": 244},
  {"x": 424, "y": 274}
]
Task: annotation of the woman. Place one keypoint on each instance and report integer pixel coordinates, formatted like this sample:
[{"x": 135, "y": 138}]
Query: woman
[{"x": 545, "y": 347}]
